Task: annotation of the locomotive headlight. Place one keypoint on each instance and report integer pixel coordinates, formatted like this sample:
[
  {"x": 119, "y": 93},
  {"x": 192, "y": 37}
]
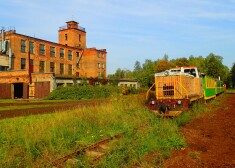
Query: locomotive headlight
[{"x": 179, "y": 101}]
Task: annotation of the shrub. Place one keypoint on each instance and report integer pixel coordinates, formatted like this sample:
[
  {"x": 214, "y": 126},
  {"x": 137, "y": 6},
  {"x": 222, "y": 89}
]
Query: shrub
[{"x": 83, "y": 92}]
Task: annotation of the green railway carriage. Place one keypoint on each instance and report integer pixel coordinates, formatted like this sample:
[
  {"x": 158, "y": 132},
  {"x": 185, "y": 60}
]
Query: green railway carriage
[
  {"x": 211, "y": 87},
  {"x": 219, "y": 87}
]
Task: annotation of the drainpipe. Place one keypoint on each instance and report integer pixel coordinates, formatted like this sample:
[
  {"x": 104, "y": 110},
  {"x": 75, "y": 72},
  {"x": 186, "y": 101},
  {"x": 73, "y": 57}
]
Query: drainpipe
[
  {"x": 30, "y": 77},
  {"x": 3, "y": 39},
  {"x": 29, "y": 70},
  {"x": 10, "y": 59}
]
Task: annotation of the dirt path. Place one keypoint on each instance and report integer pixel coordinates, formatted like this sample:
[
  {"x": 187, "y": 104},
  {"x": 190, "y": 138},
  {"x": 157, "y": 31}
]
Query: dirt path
[
  {"x": 210, "y": 139},
  {"x": 53, "y": 107}
]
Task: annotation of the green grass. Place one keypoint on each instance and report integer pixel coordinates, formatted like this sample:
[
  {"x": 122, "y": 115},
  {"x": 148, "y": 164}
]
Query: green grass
[
  {"x": 230, "y": 91},
  {"x": 34, "y": 141},
  {"x": 7, "y": 101}
]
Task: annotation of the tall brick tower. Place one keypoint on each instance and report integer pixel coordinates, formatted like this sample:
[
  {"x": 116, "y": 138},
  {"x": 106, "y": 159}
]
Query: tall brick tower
[{"x": 72, "y": 35}]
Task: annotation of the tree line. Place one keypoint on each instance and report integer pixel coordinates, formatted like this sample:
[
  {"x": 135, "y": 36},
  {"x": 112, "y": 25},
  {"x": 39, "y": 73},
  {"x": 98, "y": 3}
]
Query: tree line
[{"x": 211, "y": 65}]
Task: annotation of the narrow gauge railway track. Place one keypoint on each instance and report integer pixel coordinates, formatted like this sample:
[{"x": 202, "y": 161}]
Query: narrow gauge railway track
[
  {"x": 94, "y": 151},
  {"x": 91, "y": 151}
]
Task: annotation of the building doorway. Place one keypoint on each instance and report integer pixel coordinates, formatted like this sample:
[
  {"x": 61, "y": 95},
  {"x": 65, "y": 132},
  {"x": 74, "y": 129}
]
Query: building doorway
[{"x": 18, "y": 90}]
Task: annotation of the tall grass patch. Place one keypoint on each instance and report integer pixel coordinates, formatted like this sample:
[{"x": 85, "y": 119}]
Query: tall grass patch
[{"x": 35, "y": 141}]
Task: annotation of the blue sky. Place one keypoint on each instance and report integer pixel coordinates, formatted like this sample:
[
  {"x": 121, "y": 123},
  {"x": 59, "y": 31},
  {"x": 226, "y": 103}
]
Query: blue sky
[{"x": 132, "y": 30}]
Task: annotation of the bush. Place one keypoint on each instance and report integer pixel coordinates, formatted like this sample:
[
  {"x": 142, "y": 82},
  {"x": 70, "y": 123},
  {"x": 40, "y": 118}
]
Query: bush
[{"x": 83, "y": 92}]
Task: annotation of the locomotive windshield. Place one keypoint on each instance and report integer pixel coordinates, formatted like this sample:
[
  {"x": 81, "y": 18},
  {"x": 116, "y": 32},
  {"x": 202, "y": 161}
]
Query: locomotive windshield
[{"x": 190, "y": 71}]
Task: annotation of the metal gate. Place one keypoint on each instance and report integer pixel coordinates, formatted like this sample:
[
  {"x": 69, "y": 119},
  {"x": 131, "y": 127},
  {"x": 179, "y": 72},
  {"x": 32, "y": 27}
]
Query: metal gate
[
  {"x": 5, "y": 90},
  {"x": 42, "y": 89}
]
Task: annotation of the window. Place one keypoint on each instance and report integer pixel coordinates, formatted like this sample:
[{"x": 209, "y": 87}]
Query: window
[
  {"x": 98, "y": 54},
  {"x": 7, "y": 46},
  {"x": 52, "y": 67},
  {"x": 3, "y": 68},
  {"x": 41, "y": 66},
  {"x": 23, "y": 46},
  {"x": 77, "y": 73},
  {"x": 69, "y": 55},
  {"x": 61, "y": 53},
  {"x": 31, "y": 47},
  {"x": 190, "y": 71},
  {"x": 79, "y": 37},
  {"x": 52, "y": 51},
  {"x": 23, "y": 63},
  {"x": 78, "y": 54},
  {"x": 61, "y": 69},
  {"x": 102, "y": 55},
  {"x": 70, "y": 69},
  {"x": 42, "y": 49},
  {"x": 98, "y": 65},
  {"x": 103, "y": 65},
  {"x": 99, "y": 74},
  {"x": 66, "y": 37}
]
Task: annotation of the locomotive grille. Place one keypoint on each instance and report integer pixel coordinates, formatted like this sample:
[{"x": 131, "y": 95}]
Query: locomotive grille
[
  {"x": 168, "y": 90},
  {"x": 170, "y": 87}
]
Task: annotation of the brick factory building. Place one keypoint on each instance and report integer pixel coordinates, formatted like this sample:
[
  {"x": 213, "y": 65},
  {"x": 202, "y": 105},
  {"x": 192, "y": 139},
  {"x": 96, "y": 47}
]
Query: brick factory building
[{"x": 32, "y": 67}]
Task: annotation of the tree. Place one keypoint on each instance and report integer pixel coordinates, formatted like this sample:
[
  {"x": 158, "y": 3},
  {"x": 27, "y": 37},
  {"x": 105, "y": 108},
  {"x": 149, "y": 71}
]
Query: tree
[
  {"x": 173, "y": 63},
  {"x": 162, "y": 65},
  {"x": 128, "y": 74},
  {"x": 165, "y": 57},
  {"x": 119, "y": 73},
  {"x": 146, "y": 75},
  {"x": 198, "y": 62},
  {"x": 232, "y": 73},
  {"x": 137, "y": 69},
  {"x": 214, "y": 66},
  {"x": 180, "y": 62}
]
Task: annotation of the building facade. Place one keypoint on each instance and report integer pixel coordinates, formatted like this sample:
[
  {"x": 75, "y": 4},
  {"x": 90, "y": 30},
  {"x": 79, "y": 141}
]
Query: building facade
[{"x": 32, "y": 67}]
